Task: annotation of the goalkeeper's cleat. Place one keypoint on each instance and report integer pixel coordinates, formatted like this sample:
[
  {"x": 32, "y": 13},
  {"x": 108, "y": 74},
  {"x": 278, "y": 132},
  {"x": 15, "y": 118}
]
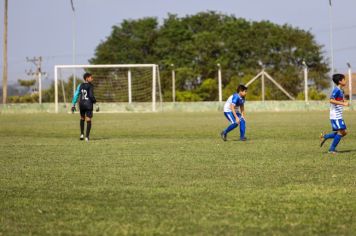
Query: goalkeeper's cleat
[
  {"x": 86, "y": 139},
  {"x": 322, "y": 139},
  {"x": 223, "y": 136},
  {"x": 243, "y": 139},
  {"x": 333, "y": 152},
  {"x": 81, "y": 137}
]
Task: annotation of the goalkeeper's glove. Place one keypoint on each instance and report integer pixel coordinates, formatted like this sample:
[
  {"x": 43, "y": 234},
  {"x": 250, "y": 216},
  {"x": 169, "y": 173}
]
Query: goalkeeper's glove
[
  {"x": 73, "y": 109},
  {"x": 97, "y": 109}
]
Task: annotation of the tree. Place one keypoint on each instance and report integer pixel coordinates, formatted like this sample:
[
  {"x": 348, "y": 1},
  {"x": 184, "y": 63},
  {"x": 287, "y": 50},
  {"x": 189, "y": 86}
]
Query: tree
[
  {"x": 131, "y": 42},
  {"x": 196, "y": 43},
  {"x": 27, "y": 83}
]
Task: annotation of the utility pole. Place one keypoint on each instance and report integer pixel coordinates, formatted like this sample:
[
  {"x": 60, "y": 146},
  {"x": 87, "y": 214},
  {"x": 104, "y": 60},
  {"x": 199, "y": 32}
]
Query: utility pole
[
  {"x": 173, "y": 83},
  {"x": 305, "y": 69},
  {"x": 350, "y": 82},
  {"x": 219, "y": 82},
  {"x": 37, "y": 61},
  {"x": 262, "y": 79},
  {"x": 331, "y": 42},
  {"x": 4, "y": 71},
  {"x": 73, "y": 45}
]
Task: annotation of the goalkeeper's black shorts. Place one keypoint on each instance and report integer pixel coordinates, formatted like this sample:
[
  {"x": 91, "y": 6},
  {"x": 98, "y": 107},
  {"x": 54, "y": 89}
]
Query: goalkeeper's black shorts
[{"x": 86, "y": 112}]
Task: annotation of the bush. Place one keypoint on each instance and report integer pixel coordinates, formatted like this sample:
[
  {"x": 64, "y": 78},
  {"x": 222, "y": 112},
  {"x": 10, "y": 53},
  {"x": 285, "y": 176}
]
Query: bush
[
  {"x": 28, "y": 98},
  {"x": 187, "y": 96},
  {"x": 208, "y": 90},
  {"x": 253, "y": 91},
  {"x": 313, "y": 94}
]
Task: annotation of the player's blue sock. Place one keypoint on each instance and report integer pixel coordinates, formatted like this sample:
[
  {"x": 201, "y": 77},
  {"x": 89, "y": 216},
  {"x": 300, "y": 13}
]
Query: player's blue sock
[
  {"x": 242, "y": 128},
  {"x": 335, "y": 142},
  {"x": 331, "y": 135},
  {"x": 230, "y": 127}
]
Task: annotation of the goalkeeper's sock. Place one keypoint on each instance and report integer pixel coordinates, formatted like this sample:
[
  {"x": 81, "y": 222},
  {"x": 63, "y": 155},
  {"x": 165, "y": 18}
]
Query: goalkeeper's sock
[
  {"x": 331, "y": 135},
  {"x": 335, "y": 142},
  {"x": 88, "y": 128},
  {"x": 81, "y": 126}
]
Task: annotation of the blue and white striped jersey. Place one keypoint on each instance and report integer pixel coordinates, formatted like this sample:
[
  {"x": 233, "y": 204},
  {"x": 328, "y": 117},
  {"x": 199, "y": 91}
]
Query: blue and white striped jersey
[
  {"x": 233, "y": 99},
  {"x": 336, "y": 110}
]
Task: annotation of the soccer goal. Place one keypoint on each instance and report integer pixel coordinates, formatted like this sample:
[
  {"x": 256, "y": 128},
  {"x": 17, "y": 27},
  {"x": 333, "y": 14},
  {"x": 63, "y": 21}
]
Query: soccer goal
[{"x": 132, "y": 86}]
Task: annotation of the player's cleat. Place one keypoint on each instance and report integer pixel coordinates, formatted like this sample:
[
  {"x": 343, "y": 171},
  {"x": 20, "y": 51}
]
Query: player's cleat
[
  {"x": 322, "y": 139},
  {"x": 81, "y": 137},
  {"x": 223, "y": 136},
  {"x": 86, "y": 139},
  {"x": 243, "y": 139},
  {"x": 332, "y": 152}
]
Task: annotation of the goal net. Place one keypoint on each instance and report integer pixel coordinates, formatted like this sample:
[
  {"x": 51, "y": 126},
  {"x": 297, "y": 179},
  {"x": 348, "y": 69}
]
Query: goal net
[{"x": 127, "y": 87}]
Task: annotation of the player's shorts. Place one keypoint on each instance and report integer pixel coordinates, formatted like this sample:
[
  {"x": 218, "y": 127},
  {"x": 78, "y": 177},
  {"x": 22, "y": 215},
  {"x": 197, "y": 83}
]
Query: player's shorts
[
  {"x": 231, "y": 118},
  {"x": 338, "y": 124},
  {"x": 86, "y": 112}
]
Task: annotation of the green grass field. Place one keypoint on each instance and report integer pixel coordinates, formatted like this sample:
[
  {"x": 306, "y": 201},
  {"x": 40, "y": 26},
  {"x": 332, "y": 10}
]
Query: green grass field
[{"x": 171, "y": 174}]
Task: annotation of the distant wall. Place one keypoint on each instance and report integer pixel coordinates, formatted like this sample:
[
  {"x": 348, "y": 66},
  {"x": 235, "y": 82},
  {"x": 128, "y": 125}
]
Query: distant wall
[{"x": 250, "y": 106}]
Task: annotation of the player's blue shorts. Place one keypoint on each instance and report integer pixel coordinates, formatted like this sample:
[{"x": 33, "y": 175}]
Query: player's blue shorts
[
  {"x": 338, "y": 124},
  {"x": 231, "y": 118}
]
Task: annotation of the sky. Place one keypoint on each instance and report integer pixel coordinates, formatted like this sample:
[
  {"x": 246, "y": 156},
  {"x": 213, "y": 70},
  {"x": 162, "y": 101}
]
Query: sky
[{"x": 45, "y": 27}]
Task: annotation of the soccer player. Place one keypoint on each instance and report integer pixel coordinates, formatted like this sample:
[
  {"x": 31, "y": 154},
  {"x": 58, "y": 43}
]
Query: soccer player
[
  {"x": 234, "y": 112},
  {"x": 336, "y": 107},
  {"x": 85, "y": 93}
]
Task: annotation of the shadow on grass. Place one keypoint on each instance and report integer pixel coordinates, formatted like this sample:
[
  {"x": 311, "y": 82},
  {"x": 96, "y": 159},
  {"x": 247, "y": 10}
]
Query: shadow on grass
[
  {"x": 99, "y": 138},
  {"x": 347, "y": 151}
]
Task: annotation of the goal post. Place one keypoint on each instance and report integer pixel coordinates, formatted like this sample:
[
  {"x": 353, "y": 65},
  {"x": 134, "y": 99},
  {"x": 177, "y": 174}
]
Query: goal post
[{"x": 114, "y": 83}]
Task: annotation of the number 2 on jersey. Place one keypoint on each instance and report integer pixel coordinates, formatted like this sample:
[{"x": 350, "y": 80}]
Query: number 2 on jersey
[{"x": 84, "y": 94}]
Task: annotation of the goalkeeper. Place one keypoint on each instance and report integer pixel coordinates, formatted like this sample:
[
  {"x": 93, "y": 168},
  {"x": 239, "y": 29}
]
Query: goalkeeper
[{"x": 85, "y": 93}]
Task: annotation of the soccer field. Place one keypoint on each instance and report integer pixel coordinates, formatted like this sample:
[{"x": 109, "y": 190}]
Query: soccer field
[{"x": 170, "y": 173}]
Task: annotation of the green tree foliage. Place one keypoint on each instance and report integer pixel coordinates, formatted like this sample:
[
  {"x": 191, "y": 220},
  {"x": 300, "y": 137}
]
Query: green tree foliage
[
  {"x": 208, "y": 90},
  {"x": 65, "y": 92},
  {"x": 63, "y": 86},
  {"x": 188, "y": 96},
  {"x": 27, "y": 83},
  {"x": 27, "y": 98},
  {"x": 313, "y": 94},
  {"x": 196, "y": 43},
  {"x": 131, "y": 42}
]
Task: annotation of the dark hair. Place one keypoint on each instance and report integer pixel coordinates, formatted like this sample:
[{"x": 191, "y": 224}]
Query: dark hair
[
  {"x": 241, "y": 88},
  {"x": 86, "y": 75},
  {"x": 337, "y": 78}
]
